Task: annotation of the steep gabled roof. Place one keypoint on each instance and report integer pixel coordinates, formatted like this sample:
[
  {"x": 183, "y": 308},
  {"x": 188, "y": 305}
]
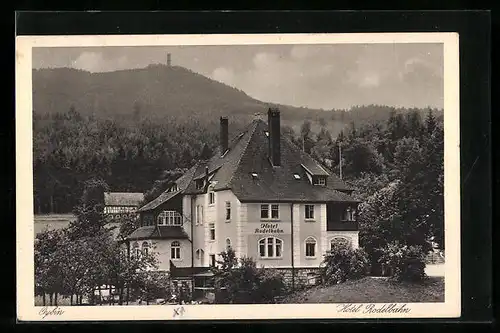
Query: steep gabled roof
[
  {"x": 158, "y": 232},
  {"x": 182, "y": 183},
  {"x": 247, "y": 154},
  {"x": 122, "y": 198},
  {"x": 279, "y": 183}
]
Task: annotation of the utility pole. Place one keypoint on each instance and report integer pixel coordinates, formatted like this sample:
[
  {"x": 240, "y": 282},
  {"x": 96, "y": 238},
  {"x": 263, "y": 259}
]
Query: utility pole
[{"x": 340, "y": 158}]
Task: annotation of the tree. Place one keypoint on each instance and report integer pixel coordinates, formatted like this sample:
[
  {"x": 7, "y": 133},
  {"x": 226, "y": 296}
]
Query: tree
[
  {"x": 323, "y": 147},
  {"x": 344, "y": 263},
  {"x": 434, "y": 184},
  {"x": 413, "y": 201},
  {"x": 414, "y": 125},
  {"x": 360, "y": 157},
  {"x": 128, "y": 223},
  {"x": 379, "y": 222},
  {"x": 240, "y": 281},
  {"x": 166, "y": 180},
  {"x": 48, "y": 278},
  {"x": 206, "y": 152},
  {"x": 90, "y": 211},
  {"x": 306, "y": 139},
  {"x": 405, "y": 263},
  {"x": 136, "y": 272},
  {"x": 430, "y": 122}
]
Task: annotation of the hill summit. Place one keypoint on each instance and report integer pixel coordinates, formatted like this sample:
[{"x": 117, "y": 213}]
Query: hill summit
[{"x": 156, "y": 90}]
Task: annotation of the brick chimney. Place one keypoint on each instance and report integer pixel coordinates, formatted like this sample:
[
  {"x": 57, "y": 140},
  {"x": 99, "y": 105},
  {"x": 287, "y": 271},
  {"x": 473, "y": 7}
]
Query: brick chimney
[
  {"x": 273, "y": 122},
  {"x": 224, "y": 136}
]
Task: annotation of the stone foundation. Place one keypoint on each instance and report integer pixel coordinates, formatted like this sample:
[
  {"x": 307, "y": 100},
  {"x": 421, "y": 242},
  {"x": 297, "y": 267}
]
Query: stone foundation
[{"x": 303, "y": 276}]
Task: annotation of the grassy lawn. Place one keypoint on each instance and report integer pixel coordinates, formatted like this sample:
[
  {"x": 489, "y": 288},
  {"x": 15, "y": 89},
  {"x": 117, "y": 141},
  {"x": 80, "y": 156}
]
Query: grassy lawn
[{"x": 372, "y": 290}]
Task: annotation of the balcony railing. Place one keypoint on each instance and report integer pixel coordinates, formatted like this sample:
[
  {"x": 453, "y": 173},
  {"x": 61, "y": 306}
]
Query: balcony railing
[{"x": 342, "y": 225}]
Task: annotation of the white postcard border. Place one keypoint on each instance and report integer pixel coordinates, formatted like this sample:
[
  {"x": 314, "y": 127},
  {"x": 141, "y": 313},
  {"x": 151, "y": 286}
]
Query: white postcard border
[{"x": 26, "y": 310}]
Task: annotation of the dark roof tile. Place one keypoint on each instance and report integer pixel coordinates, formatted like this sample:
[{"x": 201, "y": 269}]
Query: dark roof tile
[
  {"x": 186, "y": 272},
  {"x": 122, "y": 198},
  {"x": 182, "y": 183},
  {"x": 158, "y": 232},
  {"x": 248, "y": 153}
]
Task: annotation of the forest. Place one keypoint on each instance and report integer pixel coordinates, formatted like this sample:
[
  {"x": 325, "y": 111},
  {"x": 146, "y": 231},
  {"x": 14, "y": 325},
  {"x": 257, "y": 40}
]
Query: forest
[
  {"x": 138, "y": 129},
  {"x": 395, "y": 165}
]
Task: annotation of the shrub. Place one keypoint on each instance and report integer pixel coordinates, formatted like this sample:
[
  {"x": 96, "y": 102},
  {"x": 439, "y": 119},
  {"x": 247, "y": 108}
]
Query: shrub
[
  {"x": 270, "y": 285},
  {"x": 405, "y": 263},
  {"x": 343, "y": 263},
  {"x": 151, "y": 285},
  {"x": 241, "y": 281}
]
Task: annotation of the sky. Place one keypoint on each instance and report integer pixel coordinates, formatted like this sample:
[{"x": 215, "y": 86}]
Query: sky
[{"x": 333, "y": 76}]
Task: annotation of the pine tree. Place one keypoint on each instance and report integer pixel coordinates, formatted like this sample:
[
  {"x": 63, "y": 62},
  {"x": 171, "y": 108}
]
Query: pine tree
[{"x": 430, "y": 122}]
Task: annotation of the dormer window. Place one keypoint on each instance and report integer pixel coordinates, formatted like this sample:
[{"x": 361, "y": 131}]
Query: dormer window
[
  {"x": 321, "y": 181},
  {"x": 199, "y": 184},
  {"x": 349, "y": 214}
]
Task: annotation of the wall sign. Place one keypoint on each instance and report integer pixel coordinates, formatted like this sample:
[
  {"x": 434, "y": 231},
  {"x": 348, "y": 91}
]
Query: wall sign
[{"x": 272, "y": 228}]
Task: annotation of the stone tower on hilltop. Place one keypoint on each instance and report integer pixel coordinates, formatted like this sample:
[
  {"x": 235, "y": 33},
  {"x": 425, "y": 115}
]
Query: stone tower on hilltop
[{"x": 169, "y": 59}]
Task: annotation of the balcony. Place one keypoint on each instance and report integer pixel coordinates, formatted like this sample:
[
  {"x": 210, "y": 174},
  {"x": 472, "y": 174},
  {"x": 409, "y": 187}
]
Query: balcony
[{"x": 342, "y": 225}]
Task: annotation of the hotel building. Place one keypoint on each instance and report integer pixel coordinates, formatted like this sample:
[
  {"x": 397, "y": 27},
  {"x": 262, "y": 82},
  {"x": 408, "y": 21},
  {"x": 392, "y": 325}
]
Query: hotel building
[{"x": 259, "y": 194}]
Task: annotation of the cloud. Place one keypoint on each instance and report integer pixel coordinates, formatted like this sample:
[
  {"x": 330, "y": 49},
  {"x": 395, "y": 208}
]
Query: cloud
[
  {"x": 370, "y": 80},
  {"x": 299, "y": 52},
  {"x": 265, "y": 60},
  {"x": 316, "y": 76},
  {"x": 89, "y": 61},
  {"x": 95, "y": 62},
  {"x": 224, "y": 75}
]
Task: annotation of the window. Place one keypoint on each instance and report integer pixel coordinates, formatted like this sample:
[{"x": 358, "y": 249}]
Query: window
[
  {"x": 211, "y": 197},
  {"x": 275, "y": 211},
  {"x": 169, "y": 218},
  {"x": 228, "y": 243},
  {"x": 319, "y": 181},
  {"x": 199, "y": 214},
  {"x": 145, "y": 248},
  {"x": 212, "y": 231},
  {"x": 348, "y": 214},
  {"x": 264, "y": 211},
  {"x": 270, "y": 247},
  {"x": 309, "y": 212},
  {"x": 310, "y": 247},
  {"x": 199, "y": 184},
  {"x": 212, "y": 260},
  {"x": 340, "y": 241},
  {"x": 136, "y": 251},
  {"x": 175, "y": 250},
  {"x": 147, "y": 220},
  {"x": 228, "y": 211},
  {"x": 296, "y": 176},
  {"x": 200, "y": 255}
]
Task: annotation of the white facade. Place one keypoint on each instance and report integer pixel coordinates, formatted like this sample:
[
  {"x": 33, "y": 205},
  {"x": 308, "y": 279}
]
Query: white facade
[{"x": 213, "y": 226}]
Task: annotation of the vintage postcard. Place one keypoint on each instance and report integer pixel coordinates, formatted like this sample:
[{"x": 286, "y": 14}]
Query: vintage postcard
[{"x": 213, "y": 177}]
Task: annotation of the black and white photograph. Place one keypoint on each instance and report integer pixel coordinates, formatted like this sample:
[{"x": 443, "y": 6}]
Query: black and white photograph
[{"x": 263, "y": 176}]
